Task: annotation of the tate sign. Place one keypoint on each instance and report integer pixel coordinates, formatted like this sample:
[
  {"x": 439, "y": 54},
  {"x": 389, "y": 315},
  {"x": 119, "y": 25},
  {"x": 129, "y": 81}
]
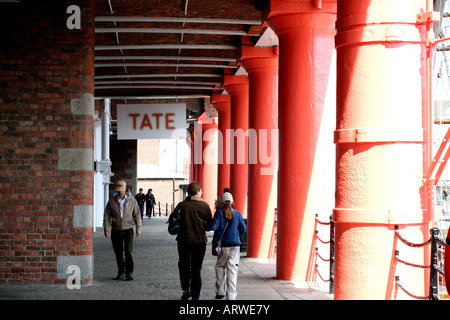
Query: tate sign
[{"x": 151, "y": 121}]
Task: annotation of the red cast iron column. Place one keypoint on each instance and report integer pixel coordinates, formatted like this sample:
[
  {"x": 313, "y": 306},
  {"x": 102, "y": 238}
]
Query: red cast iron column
[
  {"x": 209, "y": 159},
  {"x": 306, "y": 38},
  {"x": 190, "y": 143},
  {"x": 198, "y": 152},
  {"x": 379, "y": 143},
  {"x": 237, "y": 88},
  {"x": 261, "y": 63},
  {"x": 221, "y": 102}
]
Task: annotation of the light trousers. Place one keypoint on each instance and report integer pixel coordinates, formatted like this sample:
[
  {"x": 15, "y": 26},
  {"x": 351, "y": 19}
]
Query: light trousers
[{"x": 226, "y": 272}]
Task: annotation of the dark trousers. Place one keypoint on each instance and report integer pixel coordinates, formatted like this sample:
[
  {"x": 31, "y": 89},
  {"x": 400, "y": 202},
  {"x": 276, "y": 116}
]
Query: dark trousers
[
  {"x": 141, "y": 208},
  {"x": 150, "y": 208},
  {"x": 122, "y": 242},
  {"x": 190, "y": 265}
]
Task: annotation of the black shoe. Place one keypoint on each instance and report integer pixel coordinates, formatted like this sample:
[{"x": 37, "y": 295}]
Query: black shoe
[
  {"x": 219, "y": 296},
  {"x": 186, "y": 295},
  {"x": 119, "y": 277},
  {"x": 129, "y": 277}
]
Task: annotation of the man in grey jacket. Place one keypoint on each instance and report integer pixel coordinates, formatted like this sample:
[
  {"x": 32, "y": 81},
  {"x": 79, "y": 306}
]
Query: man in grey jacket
[{"x": 121, "y": 214}]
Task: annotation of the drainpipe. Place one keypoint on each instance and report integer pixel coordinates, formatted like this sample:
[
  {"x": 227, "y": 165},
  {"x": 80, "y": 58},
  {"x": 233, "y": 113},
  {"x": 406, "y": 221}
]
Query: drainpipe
[
  {"x": 104, "y": 165},
  {"x": 430, "y": 194},
  {"x": 105, "y": 129}
]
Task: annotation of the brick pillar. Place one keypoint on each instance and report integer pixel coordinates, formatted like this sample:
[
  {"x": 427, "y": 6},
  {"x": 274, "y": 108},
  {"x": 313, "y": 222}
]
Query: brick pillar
[{"x": 46, "y": 153}]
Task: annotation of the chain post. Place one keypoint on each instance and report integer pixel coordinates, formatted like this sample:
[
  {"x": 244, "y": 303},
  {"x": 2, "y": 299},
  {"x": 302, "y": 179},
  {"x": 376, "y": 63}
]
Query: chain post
[
  {"x": 433, "y": 266},
  {"x": 331, "y": 255}
]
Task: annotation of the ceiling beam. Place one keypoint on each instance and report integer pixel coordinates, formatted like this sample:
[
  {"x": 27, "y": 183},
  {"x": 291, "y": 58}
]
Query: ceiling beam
[
  {"x": 194, "y": 96},
  {"x": 177, "y": 58},
  {"x": 168, "y": 46},
  {"x": 176, "y": 31},
  {"x": 157, "y": 87},
  {"x": 150, "y": 65},
  {"x": 210, "y": 83},
  {"x": 165, "y": 75},
  {"x": 175, "y": 20}
]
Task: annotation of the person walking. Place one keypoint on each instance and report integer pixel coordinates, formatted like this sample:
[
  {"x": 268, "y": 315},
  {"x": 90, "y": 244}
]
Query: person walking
[
  {"x": 218, "y": 204},
  {"x": 195, "y": 217},
  {"x": 120, "y": 213},
  {"x": 150, "y": 202},
  {"x": 228, "y": 225},
  {"x": 140, "y": 198}
]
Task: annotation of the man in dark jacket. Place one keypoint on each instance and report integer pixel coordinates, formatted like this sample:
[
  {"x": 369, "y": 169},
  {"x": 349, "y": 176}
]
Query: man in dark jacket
[
  {"x": 140, "y": 198},
  {"x": 195, "y": 214}
]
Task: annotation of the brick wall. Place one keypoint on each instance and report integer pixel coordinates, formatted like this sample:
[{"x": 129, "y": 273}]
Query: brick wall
[
  {"x": 46, "y": 142},
  {"x": 148, "y": 151},
  {"x": 163, "y": 191},
  {"x": 123, "y": 157}
]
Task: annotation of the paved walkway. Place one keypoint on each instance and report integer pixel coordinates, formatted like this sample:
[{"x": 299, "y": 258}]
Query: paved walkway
[{"x": 156, "y": 275}]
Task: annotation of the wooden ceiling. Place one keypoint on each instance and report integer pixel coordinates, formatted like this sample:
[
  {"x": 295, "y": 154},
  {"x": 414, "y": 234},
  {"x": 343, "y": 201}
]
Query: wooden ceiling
[{"x": 171, "y": 48}]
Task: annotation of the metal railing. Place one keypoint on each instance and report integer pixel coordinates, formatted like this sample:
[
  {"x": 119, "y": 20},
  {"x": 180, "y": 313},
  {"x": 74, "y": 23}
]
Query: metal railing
[
  {"x": 437, "y": 258},
  {"x": 165, "y": 212},
  {"x": 436, "y": 266},
  {"x": 331, "y": 256}
]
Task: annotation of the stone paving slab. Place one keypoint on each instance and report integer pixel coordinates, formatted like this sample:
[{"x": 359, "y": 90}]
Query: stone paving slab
[{"x": 156, "y": 275}]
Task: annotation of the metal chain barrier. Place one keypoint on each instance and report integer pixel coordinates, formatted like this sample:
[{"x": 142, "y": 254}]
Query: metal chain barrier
[
  {"x": 331, "y": 259},
  {"x": 434, "y": 267}
]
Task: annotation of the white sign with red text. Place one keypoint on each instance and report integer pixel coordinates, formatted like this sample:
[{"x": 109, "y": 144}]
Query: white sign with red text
[{"x": 151, "y": 121}]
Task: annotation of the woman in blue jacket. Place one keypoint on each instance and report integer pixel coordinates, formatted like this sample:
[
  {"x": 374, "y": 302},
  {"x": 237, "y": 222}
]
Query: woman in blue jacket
[{"x": 228, "y": 225}]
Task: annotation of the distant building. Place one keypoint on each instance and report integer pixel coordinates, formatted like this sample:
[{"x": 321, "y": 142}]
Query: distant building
[{"x": 163, "y": 166}]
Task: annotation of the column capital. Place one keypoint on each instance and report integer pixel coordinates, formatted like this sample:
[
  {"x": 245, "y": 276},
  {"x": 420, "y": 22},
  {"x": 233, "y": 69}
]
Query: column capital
[
  {"x": 235, "y": 84},
  {"x": 220, "y": 102},
  {"x": 283, "y": 7},
  {"x": 252, "y": 58},
  {"x": 284, "y": 16},
  {"x": 204, "y": 121}
]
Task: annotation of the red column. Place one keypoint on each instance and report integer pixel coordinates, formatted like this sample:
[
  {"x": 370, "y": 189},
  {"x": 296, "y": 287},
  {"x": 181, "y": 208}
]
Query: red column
[
  {"x": 209, "y": 159},
  {"x": 237, "y": 88},
  {"x": 221, "y": 102},
  {"x": 190, "y": 143},
  {"x": 198, "y": 153},
  {"x": 379, "y": 143},
  {"x": 261, "y": 63},
  {"x": 306, "y": 150}
]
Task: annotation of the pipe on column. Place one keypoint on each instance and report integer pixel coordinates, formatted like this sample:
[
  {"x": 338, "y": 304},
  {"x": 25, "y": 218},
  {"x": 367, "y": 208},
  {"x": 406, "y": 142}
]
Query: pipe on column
[
  {"x": 237, "y": 88},
  {"x": 106, "y": 118},
  {"x": 305, "y": 122},
  {"x": 261, "y": 63},
  {"x": 379, "y": 142},
  {"x": 221, "y": 102}
]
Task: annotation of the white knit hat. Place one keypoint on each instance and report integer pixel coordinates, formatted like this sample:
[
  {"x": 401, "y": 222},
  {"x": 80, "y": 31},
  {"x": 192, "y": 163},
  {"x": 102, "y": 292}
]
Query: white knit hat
[{"x": 226, "y": 198}]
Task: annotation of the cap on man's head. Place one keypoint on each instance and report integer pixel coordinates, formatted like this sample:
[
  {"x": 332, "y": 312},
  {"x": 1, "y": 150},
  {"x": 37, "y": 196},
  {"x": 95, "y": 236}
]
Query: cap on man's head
[
  {"x": 226, "y": 198},
  {"x": 121, "y": 186}
]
